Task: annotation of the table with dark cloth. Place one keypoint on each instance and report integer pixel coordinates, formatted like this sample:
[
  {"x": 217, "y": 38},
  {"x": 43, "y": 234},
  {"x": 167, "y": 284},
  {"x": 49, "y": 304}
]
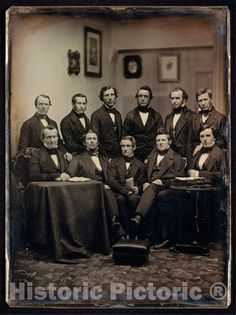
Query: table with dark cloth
[{"x": 68, "y": 218}]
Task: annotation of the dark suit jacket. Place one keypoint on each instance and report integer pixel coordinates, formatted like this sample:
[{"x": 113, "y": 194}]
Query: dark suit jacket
[
  {"x": 116, "y": 175},
  {"x": 73, "y": 131},
  {"x": 42, "y": 167},
  {"x": 218, "y": 121},
  {"x": 182, "y": 142},
  {"x": 144, "y": 135},
  {"x": 30, "y": 133},
  {"x": 82, "y": 165},
  {"x": 172, "y": 165},
  {"x": 109, "y": 140},
  {"x": 214, "y": 167}
]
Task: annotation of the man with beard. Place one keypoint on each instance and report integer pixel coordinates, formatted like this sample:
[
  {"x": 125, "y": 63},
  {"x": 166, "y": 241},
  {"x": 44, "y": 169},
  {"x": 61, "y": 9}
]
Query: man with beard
[
  {"x": 143, "y": 123},
  {"x": 179, "y": 123},
  {"x": 106, "y": 122},
  {"x": 93, "y": 165},
  {"x": 75, "y": 125}
]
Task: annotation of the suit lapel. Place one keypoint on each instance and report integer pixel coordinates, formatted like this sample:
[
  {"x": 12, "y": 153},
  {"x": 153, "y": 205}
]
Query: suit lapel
[
  {"x": 77, "y": 123},
  {"x": 104, "y": 163},
  {"x": 48, "y": 162},
  {"x": 166, "y": 162},
  {"x": 133, "y": 168},
  {"x": 107, "y": 122},
  {"x": 151, "y": 164},
  {"x": 211, "y": 160},
  {"x": 151, "y": 120},
  {"x": 183, "y": 120}
]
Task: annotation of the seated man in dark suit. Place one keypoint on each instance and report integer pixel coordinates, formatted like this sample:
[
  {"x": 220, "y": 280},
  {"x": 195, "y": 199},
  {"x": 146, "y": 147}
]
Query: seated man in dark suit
[
  {"x": 163, "y": 165},
  {"x": 75, "y": 125},
  {"x": 126, "y": 176},
  {"x": 208, "y": 162},
  {"x": 48, "y": 162},
  {"x": 92, "y": 165},
  {"x": 30, "y": 133}
]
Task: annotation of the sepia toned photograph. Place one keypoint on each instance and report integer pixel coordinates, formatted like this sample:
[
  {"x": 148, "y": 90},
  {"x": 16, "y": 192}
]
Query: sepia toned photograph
[{"x": 118, "y": 178}]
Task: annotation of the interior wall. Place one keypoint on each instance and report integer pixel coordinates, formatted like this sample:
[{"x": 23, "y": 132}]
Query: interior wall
[
  {"x": 39, "y": 46},
  {"x": 39, "y": 64}
]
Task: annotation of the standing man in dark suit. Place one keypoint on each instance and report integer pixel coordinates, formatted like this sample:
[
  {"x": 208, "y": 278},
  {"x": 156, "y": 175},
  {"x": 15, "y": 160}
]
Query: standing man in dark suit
[
  {"x": 75, "y": 125},
  {"x": 126, "y": 175},
  {"x": 107, "y": 123},
  {"x": 180, "y": 124},
  {"x": 48, "y": 162},
  {"x": 210, "y": 116},
  {"x": 143, "y": 123},
  {"x": 92, "y": 165},
  {"x": 163, "y": 165},
  {"x": 30, "y": 133}
]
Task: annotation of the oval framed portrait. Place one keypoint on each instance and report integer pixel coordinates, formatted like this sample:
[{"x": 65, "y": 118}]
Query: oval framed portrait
[{"x": 132, "y": 66}]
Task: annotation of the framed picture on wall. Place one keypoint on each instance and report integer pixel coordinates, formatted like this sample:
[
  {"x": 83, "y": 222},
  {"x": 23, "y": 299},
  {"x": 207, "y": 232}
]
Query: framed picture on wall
[
  {"x": 92, "y": 52},
  {"x": 132, "y": 66},
  {"x": 168, "y": 68}
]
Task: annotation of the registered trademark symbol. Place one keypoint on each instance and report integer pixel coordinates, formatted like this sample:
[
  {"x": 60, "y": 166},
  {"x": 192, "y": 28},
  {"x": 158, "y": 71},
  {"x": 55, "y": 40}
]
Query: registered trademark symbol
[{"x": 218, "y": 291}]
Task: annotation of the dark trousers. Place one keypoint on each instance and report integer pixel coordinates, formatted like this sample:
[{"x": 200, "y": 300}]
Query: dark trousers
[
  {"x": 150, "y": 194},
  {"x": 126, "y": 208}
]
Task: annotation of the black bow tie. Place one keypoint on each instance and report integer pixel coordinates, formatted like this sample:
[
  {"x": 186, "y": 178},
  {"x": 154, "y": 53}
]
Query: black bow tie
[
  {"x": 178, "y": 110},
  {"x": 162, "y": 152},
  {"x": 143, "y": 109},
  {"x": 80, "y": 115},
  {"x": 110, "y": 110},
  {"x": 42, "y": 116},
  {"x": 206, "y": 150},
  {"x": 93, "y": 153},
  {"x": 204, "y": 112},
  {"x": 52, "y": 151},
  {"x": 128, "y": 159}
]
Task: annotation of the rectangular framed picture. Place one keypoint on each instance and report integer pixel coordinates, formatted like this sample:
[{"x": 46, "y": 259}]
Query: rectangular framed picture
[
  {"x": 93, "y": 52},
  {"x": 169, "y": 68}
]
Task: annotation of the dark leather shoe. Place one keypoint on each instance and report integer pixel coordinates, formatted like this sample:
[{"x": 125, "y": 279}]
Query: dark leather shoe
[{"x": 136, "y": 221}]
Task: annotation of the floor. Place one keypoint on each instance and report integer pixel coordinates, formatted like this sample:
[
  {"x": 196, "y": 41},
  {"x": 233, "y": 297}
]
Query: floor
[{"x": 168, "y": 280}]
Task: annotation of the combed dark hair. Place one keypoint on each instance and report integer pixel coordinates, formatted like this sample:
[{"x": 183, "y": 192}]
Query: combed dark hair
[
  {"x": 131, "y": 139},
  {"x": 185, "y": 95},
  {"x": 163, "y": 131},
  {"x": 42, "y": 95},
  {"x": 73, "y": 99},
  {"x": 147, "y": 88},
  {"x": 105, "y": 88},
  {"x": 204, "y": 127},
  {"x": 49, "y": 127},
  {"x": 203, "y": 91}
]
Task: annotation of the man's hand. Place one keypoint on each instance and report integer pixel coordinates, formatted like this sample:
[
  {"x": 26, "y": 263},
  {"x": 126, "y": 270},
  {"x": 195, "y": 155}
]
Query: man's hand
[
  {"x": 193, "y": 173},
  {"x": 157, "y": 182},
  {"x": 145, "y": 185},
  {"x": 68, "y": 156},
  {"x": 135, "y": 190},
  {"x": 29, "y": 151},
  {"x": 63, "y": 177},
  {"x": 198, "y": 147},
  {"x": 106, "y": 187}
]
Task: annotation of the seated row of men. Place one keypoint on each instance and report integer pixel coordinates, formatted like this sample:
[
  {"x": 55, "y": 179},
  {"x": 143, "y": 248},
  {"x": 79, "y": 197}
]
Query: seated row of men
[
  {"x": 142, "y": 123},
  {"x": 131, "y": 186}
]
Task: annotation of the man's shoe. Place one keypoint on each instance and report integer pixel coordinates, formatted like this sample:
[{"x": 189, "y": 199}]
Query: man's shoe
[{"x": 136, "y": 221}]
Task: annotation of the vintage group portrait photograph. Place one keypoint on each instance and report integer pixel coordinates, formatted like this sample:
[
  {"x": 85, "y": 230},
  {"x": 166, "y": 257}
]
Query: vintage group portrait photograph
[{"x": 118, "y": 157}]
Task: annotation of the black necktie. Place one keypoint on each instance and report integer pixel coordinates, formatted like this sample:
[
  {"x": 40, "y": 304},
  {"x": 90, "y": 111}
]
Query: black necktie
[
  {"x": 43, "y": 117},
  {"x": 206, "y": 150},
  {"x": 52, "y": 151},
  {"x": 111, "y": 110},
  {"x": 93, "y": 153},
  {"x": 144, "y": 109},
  {"x": 128, "y": 159},
  {"x": 178, "y": 110},
  {"x": 162, "y": 152}
]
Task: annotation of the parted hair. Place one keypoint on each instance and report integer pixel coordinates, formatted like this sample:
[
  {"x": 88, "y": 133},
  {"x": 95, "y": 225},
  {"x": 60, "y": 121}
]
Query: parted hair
[
  {"x": 131, "y": 139},
  {"x": 42, "y": 95},
  {"x": 204, "y": 127},
  {"x": 73, "y": 99},
  {"x": 49, "y": 127},
  {"x": 185, "y": 95},
  {"x": 203, "y": 91},
  {"x": 163, "y": 131},
  {"x": 105, "y": 88},
  {"x": 147, "y": 88}
]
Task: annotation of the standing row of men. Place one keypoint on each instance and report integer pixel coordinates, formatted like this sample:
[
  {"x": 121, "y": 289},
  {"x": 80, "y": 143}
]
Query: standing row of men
[{"x": 142, "y": 123}]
